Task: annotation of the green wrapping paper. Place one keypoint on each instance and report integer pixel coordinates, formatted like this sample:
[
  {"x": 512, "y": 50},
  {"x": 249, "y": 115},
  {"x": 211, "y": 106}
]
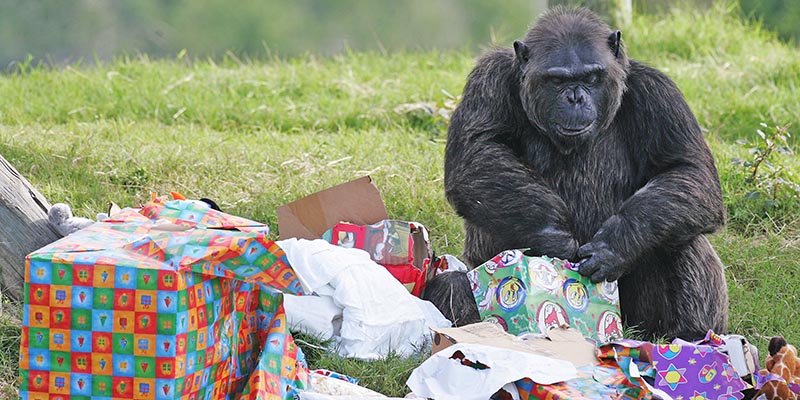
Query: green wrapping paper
[{"x": 532, "y": 294}]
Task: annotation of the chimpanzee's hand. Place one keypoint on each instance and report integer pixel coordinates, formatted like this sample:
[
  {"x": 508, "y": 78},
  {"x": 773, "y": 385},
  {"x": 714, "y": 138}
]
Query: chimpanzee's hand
[
  {"x": 599, "y": 262},
  {"x": 557, "y": 244}
]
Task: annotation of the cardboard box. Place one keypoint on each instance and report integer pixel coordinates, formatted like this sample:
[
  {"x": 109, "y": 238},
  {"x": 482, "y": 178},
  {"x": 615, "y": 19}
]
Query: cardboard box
[
  {"x": 357, "y": 202},
  {"x": 157, "y": 304},
  {"x": 561, "y": 343},
  {"x": 357, "y": 207},
  {"x": 533, "y": 294}
]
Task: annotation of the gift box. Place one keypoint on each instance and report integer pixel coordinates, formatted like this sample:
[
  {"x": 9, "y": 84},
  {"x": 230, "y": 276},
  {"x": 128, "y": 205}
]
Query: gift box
[
  {"x": 173, "y": 300},
  {"x": 533, "y": 294},
  {"x": 357, "y": 213},
  {"x": 392, "y": 244}
]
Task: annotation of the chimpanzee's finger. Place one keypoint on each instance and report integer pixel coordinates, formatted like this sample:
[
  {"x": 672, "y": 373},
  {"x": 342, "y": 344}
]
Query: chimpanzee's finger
[
  {"x": 586, "y": 250},
  {"x": 598, "y": 276},
  {"x": 588, "y": 266}
]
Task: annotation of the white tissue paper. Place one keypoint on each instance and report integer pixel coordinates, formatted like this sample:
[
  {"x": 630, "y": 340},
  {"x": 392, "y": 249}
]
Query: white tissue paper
[
  {"x": 359, "y": 304},
  {"x": 443, "y": 378}
]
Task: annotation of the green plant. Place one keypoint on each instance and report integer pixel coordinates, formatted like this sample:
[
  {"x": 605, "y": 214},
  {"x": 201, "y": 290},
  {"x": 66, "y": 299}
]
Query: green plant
[
  {"x": 132, "y": 181},
  {"x": 768, "y": 178},
  {"x": 433, "y": 117}
]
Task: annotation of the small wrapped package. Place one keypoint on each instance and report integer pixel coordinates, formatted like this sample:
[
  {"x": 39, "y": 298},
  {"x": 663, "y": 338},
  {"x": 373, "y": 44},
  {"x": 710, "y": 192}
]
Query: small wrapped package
[
  {"x": 401, "y": 247},
  {"x": 533, "y": 294},
  {"x": 157, "y": 303}
]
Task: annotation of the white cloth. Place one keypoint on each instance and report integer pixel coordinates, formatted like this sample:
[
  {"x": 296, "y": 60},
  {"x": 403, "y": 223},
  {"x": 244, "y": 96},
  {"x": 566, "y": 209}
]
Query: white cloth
[{"x": 360, "y": 304}]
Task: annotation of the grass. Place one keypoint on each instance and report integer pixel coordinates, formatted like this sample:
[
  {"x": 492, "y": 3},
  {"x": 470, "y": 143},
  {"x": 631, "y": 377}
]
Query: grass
[
  {"x": 257, "y": 134},
  {"x": 9, "y": 339}
]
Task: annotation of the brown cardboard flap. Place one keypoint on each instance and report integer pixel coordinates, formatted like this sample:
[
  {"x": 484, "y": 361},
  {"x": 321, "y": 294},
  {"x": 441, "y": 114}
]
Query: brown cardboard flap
[
  {"x": 357, "y": 202},
  {"x": 561, "y": 343}
]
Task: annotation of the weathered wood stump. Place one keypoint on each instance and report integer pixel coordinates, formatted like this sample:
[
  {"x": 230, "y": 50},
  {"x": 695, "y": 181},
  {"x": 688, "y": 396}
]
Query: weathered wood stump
[{"x": 23, "y": 227}]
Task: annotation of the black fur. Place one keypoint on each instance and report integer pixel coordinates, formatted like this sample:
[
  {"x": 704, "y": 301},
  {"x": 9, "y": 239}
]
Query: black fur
[
  {"x": 451, "y": 294},
  {"x": 776, "y": 344},
  {"x": 566, "y": 146},
  {"x": 211, "y": 203}
]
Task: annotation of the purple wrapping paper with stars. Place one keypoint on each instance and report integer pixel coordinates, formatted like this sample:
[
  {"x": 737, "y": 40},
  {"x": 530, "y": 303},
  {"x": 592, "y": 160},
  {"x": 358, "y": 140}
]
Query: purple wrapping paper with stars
[
  {"x": 133, "y": 308},
  {"x": 693, "y": 371}
]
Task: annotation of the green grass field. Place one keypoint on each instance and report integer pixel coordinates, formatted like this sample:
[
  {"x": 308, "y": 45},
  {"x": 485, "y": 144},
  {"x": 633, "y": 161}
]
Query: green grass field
[{"x": 258, "y": 134}]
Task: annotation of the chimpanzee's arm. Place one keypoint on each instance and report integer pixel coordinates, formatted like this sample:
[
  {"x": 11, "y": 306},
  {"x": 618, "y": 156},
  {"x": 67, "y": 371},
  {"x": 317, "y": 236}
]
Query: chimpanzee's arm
[
  {"x": 486, "y": 182},
  {"x": 682, "y": 198}
]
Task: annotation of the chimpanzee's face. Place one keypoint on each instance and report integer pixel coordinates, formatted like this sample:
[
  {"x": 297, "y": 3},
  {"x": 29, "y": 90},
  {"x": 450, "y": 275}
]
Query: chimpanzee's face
[{"x": 571, "y": 90}]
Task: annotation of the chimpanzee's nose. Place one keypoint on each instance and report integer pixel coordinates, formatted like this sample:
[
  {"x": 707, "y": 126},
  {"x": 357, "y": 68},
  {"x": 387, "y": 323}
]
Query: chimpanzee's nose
[{"x": 575, "y": 96}]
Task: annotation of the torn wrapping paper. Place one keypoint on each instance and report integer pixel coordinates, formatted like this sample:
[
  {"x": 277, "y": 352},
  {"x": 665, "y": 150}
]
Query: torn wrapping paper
[
  {"x": 156, "y": 304},
  {"x": 532, "y": 294},
  {"x": 401, "y": 247},
  {"x": 687, "y": 370},
  {"x": 475, "y": 371},
  {"x": 358, "y": 303},
  {"x": 582, "y": 387},
  {"x": 618, "y": 377}
]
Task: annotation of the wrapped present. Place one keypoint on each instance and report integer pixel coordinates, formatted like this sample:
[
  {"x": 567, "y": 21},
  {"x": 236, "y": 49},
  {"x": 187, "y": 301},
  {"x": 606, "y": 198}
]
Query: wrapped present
[
  {"x": 401, "y": 247},
  {"x": 157, "y": 303},
  {"x": 533, "y": 294}
]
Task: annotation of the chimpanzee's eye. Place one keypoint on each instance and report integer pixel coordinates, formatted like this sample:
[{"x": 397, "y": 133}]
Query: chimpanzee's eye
[
  {"x": 591, "y": 79},
  {"x": 556, "y": 80}
]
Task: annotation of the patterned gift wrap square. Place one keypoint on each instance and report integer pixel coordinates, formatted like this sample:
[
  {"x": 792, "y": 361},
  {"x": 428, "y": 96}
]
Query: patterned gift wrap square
[
  {"x": 133, "y": 308},
  {"x": 533, "y": 294}
]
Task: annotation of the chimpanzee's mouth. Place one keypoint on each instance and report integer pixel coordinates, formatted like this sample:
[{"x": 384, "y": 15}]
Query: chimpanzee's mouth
[{"x": 573, "y": 130}]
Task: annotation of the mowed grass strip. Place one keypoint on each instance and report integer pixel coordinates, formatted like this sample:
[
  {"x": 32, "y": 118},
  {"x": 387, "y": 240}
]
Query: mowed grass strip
[{"x": 257, "y": 134}]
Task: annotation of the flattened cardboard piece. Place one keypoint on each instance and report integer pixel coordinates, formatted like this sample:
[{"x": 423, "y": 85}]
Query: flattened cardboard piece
[
  {"x": 563, "y": 343},
  {"x": 357, "y": 202}
]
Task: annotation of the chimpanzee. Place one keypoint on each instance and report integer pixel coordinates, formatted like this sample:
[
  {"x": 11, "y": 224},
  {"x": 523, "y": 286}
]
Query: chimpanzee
[{"x": 567, "y": 147}]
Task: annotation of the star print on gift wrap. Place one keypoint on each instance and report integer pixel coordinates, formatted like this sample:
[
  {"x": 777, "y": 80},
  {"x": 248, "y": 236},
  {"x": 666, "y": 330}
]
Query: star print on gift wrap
[
  {"x": 672, "y": 377},
  {"x": 698, "y": 396},
  {"x": 669, "y": 351}
]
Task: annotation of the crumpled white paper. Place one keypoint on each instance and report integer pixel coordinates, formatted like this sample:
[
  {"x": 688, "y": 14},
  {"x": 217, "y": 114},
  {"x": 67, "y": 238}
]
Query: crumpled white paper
[
  {"x": 360, "y": 304},
  {"x": 443, "y": 378}
]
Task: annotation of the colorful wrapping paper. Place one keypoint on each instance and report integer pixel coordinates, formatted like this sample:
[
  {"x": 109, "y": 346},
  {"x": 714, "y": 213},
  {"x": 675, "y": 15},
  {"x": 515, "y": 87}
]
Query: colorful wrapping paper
[
  {"x": 154, "y": 304},
  {"x": 687, "y": 370},
  {"x": 611, "y": 379},
  {"x": 532, "y": 294},
  {"x": 585, "y": 386}
]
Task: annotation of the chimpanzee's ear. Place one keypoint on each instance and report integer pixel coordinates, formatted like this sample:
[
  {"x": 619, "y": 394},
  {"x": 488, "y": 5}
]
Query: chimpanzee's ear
[
  {"x": 521, "y": 49},
  {"x": 613, "y": 42}
]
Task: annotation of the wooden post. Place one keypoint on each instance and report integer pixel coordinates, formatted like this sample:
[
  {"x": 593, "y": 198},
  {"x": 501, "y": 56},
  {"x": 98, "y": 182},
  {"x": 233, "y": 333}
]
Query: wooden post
[
  {"x": 23, "y": 227},
  {"x": 537, "y": 8},
  {"x": 622, "y": 13}
]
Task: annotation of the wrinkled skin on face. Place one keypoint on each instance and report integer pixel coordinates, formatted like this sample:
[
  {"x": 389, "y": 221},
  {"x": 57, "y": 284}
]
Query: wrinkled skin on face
[{"x": 572, "y": 85}]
